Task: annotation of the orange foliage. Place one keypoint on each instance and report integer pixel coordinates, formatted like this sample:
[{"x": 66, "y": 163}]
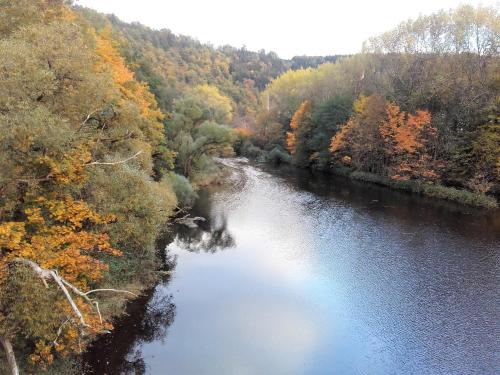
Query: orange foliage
[
  {"x": 60, "y": 233},
  {"x": 107, "y": 49},
  {"x": 291, "y": 138},
  {"x": 291, "y": 142},
  {"x": 405, "y": 129},
  {"x": 243, "y": 132},
  {"x": 403, "y": 139},
  {"x": 406, "y": 137},
  {"x": 339, "y": 140},
  {"x": 55, "y": 236}
]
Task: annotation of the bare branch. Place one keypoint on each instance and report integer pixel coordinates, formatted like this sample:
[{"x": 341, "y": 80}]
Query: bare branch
[
  {"x": 59, "y": 331},
  {"x": 96, "y": 304},
  {"x": 50, "y": 274},
  {"x": 110, "y": 290},
  {"x": 89, "y": 116},
  {"x": 43, "y": 273},
  {"x": 64, "y": 285},
  {"x": 78, "y": 313},
  {"x": 11, "y": 356},
  {"x": 77, "y": 291},
  {"x": 115, "y": 162},
  {"x": 34, "y": 179}
]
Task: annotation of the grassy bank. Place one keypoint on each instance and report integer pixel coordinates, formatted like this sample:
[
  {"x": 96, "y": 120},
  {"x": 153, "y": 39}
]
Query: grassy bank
[{"x": 430, "y": 190}]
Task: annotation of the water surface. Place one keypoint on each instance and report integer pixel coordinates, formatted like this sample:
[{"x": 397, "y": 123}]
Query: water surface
[{"x": 294, "y": 273}]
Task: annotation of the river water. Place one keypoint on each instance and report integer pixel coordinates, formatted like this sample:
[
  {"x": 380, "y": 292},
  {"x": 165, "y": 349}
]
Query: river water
[{"x": 294, "y": 273}]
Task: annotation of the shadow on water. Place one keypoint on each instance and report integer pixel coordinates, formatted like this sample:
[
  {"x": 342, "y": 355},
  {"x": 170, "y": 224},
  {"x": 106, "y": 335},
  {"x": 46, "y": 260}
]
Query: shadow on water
[
  {"x": 401, "y": 206},
  {"x": 148, "y": 317}
]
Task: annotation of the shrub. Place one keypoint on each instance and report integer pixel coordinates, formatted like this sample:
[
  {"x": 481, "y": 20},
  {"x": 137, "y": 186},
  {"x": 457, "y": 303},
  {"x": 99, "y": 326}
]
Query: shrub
[
  {"x": 251, "y": 151},
  {"x": 186, "y": 196},
  {"x": 277, "y": 155},
  {"x": 141, "y": 208}
]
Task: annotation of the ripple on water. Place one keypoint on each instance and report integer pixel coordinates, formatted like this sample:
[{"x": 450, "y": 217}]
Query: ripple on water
[{"x": 300, "y": 274}]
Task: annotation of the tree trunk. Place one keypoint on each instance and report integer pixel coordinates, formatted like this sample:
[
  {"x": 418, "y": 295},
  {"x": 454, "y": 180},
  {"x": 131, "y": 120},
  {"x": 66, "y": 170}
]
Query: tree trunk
[{"x": 11, "y": 357}]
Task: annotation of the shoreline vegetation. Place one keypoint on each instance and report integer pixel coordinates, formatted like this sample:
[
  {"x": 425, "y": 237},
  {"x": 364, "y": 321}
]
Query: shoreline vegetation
[
  {"x": 417, "y": 110},
  {"x": 109, "y": 129},
  {"x": 447, "y": 193},
  {"x": 434, "y": 191},
  {"x": 441, "y": 192}
]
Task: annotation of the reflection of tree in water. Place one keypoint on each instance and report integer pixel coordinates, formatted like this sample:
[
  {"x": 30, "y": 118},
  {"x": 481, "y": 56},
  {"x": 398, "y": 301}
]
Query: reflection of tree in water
[
  {"x": 148, "y": 318},
  {"x": 210, "y": 235}
]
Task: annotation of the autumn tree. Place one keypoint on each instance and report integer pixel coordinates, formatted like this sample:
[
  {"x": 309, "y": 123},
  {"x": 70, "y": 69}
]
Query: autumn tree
[
  {"x": 199, "y": 128},
  {"x": 298, "y": 138},
  {"x": 359, "y": 141},
  {"x": 408, "y": 141},
  {"x": 382, "y": 139},
  {"x": 75, "y": 125}
]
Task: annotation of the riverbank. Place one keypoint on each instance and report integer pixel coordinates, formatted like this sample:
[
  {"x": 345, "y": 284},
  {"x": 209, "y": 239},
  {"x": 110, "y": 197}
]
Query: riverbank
[
  {"x": 430, "y": 190},
  {"x": 437, "y": 191}
]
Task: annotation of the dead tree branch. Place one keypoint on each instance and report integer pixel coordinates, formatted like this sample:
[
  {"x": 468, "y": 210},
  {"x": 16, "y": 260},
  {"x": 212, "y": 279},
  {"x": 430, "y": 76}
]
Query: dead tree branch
[
  {"x": 11, "y": 357},
  {"x": 89, "y": 116},
  {"x": 110, "y": 290},
  {"x": 115, "y": 162},
  {"x": 64, "y": 285},
  {"x": 50, "y": 274}
]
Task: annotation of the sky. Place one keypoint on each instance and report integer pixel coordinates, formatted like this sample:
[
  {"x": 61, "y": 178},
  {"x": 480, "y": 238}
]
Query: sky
[{"x": 287, "y": 27}]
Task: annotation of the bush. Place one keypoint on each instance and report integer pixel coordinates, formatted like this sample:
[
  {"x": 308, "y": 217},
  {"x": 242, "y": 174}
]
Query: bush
[
  {"x": 251, "y": 151},
  {"x": 141, "y": 207},
  {"x": 277, "y": 155},
  {"x": 186, "y": 196},
  {"x": 342, "y": 170},
  {"x": 461, "y": 196}
]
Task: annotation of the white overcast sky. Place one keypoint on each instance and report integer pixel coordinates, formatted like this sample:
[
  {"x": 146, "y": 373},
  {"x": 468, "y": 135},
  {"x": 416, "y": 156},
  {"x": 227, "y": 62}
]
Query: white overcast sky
[{"x": 288, "y": 27}]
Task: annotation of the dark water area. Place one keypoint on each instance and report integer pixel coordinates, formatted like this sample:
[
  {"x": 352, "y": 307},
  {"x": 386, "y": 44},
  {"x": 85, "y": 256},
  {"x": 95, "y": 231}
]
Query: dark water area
[{"x": 300, "y": 273}]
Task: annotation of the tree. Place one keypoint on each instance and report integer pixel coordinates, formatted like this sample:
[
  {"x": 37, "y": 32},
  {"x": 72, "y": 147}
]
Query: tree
[
  {"x": 70, "y": 117},
  {"x": 382, "y": 139},
  {"x": 210, "y": 139},
  {"x": 198, "y": 128},
  {"x": 298, "y": 137},
  {"x": 327, "y": 120},
  {"x": 360, "y": 140},
  {"x": 407, "y": 141}
]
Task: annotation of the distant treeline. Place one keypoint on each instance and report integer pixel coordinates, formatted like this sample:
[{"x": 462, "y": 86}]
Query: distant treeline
[{"x": 419, "y": 107}]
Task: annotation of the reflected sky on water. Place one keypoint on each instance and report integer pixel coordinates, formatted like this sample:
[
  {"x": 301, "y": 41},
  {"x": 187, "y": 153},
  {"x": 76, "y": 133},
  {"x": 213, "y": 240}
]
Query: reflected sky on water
[{"x": 294, "y": 273}]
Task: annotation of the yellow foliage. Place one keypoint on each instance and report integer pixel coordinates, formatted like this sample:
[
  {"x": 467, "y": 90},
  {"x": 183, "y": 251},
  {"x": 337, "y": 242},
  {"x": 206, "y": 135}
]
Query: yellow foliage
[
  {"x": 110, "y": 60},
  {"x": 54, "y": 235},
  {"x": 291, "y": 137}
]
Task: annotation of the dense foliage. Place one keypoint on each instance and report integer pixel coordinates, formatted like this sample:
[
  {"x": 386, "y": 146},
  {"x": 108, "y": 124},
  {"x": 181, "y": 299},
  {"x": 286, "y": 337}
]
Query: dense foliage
[
  {"x": 108, "y": 128},
  {"x": 419, "y": 104},
  {"x": 88, "y": 176}
]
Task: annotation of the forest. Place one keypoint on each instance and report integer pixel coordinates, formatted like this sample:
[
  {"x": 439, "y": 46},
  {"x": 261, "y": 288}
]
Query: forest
[
  {"x": 109, "y": 129},
  {"x": 417, "y": 110}
]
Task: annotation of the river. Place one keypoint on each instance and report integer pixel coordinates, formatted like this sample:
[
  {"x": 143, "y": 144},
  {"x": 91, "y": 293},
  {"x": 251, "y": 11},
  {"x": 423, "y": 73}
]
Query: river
[{"x": 295, "y": 273}]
